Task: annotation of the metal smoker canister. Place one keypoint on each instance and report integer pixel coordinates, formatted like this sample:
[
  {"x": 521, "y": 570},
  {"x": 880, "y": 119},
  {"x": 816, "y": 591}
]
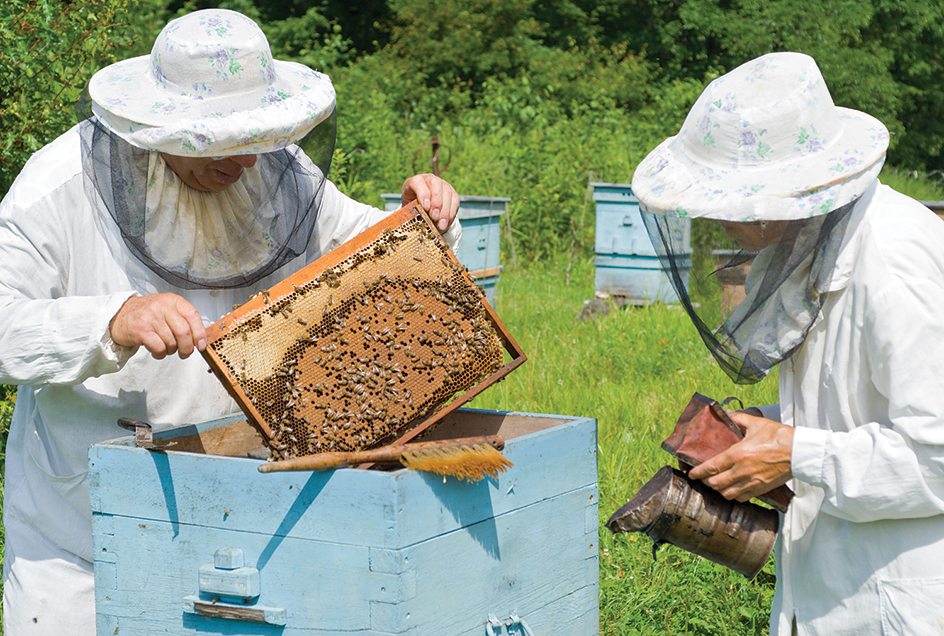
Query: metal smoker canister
[{"x": 671, "y": 508}]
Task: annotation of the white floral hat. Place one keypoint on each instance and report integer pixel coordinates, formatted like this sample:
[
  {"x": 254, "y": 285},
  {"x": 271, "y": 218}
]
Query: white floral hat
[
  {"x": 763, "y": 142},
  {"x": 210, "y": 88}
]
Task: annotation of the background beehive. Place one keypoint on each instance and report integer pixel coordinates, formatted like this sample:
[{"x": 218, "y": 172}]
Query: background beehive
[{"x": 352, "y": 352}]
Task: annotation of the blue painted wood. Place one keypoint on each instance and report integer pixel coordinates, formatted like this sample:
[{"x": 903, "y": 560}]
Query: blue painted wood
[
  {"x": 619, "y": 226},
  {"x": 157, "y": 486},
  {"x": 352, "y": 550},
  {"x": 626, "y": 262},
  {"x": 481, "y": 242},
  {"x": 219, "y": 579},
  {"x": 636, "y": 277}
]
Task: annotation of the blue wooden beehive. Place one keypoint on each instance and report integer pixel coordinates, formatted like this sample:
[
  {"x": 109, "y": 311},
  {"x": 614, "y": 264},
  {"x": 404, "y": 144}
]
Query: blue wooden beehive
[
  {"x": 480, "y": 248},
  {"x": 189, "y": 542},
  {"x": 626, "y": 264}
]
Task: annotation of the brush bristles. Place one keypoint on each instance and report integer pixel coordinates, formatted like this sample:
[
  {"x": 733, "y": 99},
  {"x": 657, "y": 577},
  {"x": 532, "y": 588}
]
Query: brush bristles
[{"x": 469, "y": 462}]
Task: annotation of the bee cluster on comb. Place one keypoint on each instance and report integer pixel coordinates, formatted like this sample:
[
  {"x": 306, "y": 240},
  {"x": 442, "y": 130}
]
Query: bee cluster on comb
[{"x": 351, "y": 355}]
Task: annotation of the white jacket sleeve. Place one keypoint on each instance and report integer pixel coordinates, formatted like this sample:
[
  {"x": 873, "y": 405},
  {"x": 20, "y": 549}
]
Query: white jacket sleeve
[
  {"x": 61, "y": 341},
  {"x": 49, "y": 334},
  {"x": 893, "y": 467}
]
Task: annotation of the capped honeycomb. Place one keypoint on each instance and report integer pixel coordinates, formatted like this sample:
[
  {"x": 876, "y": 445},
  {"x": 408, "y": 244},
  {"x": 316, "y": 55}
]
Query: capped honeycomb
[{"x": 363, "y": 346}]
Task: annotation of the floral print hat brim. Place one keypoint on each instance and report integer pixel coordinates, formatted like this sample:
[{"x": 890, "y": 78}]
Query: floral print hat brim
[
  {"x": 764, "y": 142},
  {"x": 210, "y": 88}
]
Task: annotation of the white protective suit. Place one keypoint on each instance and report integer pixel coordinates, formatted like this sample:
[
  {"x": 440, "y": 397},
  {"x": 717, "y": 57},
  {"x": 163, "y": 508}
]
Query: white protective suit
[
  {"x": 861, "y": 550},
  {"x": 65, "y": 274}
]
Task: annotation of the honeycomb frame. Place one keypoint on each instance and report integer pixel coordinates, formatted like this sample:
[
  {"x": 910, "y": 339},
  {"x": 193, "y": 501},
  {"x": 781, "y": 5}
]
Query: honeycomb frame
[{"x": 373, "y": 343}]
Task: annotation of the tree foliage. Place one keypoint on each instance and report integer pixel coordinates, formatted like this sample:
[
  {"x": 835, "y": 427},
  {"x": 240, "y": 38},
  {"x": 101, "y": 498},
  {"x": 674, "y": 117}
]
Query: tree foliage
[
  {"x": 48, "y": 51},
  {"x": 532, "y": 98},
  {"x": 884, "y": 57}
]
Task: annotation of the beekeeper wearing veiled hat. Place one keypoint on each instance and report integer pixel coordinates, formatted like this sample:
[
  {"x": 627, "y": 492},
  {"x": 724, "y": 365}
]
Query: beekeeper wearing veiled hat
[
  {"x": 846, "y": 290},
  {"x": 198, "y": 181}
]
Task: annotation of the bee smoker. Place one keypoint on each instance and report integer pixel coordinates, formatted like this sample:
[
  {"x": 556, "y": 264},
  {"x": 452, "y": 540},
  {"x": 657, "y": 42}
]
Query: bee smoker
[{"x": 671, "y": 508}]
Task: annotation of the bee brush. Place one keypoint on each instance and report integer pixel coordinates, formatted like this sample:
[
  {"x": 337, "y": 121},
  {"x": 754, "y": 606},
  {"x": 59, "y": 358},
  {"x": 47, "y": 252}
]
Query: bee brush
[{"x": 470, "y": 458}]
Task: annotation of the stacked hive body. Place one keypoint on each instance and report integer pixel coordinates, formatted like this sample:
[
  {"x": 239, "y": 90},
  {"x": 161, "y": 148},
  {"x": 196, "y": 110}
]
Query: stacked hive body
[
  {"x": 626, "y": 263},
  {"x": 195, "y": 540},
  {"x": 363, "y": 345}
]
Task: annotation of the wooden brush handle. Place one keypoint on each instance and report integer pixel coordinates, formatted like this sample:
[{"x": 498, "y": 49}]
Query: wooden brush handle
[{"x": 391, "y": 453}]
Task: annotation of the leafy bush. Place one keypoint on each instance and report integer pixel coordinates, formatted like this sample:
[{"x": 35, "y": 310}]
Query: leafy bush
[{"x": 48, "y": 51}]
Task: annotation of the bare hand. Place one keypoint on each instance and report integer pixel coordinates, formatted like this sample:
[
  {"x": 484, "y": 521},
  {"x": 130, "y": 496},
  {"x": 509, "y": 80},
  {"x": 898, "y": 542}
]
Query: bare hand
[
  {"x": 164, "y": 324},
  {"x": 757, "y": 464},
  {"x": 435, "y": 195}
]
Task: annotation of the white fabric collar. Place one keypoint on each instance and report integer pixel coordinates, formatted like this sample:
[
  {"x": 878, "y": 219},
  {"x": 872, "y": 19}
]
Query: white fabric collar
[{"x": 218, "y": 234}]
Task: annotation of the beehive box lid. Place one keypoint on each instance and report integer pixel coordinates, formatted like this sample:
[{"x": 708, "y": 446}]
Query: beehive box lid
[
  {"x": 613, "y": 192},
  {"x": 551, "y": 454}
]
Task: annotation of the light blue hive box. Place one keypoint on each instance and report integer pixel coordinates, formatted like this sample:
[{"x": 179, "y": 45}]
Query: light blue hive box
[
  {"x": 626, "y": 264},
  {"x": 188, "y": 542},
  {"x": 480, "y": 248}
]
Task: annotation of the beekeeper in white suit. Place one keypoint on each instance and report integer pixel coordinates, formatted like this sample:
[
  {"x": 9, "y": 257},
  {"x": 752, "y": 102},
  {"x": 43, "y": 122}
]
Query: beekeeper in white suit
[
  {"x": 845, "y": 294},
  {"x": 184, "y": 194}
]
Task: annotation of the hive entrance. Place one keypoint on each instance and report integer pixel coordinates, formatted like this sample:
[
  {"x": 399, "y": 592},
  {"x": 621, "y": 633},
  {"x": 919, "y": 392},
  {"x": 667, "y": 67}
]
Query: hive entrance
[{"x": 363, "y": 347}]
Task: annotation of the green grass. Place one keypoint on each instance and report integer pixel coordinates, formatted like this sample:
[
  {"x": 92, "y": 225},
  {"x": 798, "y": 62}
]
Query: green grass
[
  {"x": 633, "y": 369},
  {"x": 917, "y": 185},
  {"x": 7, "y": 402}
]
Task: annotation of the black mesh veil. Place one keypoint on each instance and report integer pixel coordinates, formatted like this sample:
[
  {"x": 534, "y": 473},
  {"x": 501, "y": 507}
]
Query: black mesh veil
[
  {"x": 269, "y": 224},
  {"x": 784, "y": 291}
]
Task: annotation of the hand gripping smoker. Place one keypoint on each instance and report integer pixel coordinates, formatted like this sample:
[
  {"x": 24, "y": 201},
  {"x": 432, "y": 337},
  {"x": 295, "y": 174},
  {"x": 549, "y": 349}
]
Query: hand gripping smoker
[{"x": 671, "y": 508}]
